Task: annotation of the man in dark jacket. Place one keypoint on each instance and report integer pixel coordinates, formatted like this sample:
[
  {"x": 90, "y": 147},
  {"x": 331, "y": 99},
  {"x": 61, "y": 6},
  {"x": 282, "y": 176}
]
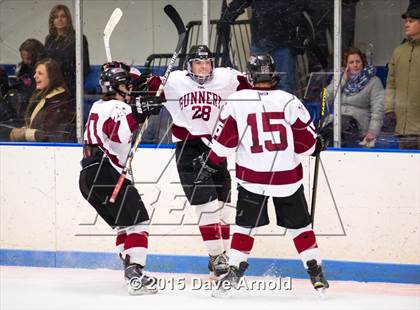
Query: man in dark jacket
[{"x": 273, "y": 25}]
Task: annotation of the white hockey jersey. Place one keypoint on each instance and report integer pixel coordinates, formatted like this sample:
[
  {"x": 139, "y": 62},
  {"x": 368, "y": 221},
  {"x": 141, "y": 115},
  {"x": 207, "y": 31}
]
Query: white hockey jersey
[
  {"x": 110, "y": 126},
  {"x": 195, "y": 108},
  {"x": 267, "y": 129}
]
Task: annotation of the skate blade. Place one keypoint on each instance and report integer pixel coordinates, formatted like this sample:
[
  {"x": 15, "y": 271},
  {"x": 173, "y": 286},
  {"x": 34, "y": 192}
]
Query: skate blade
[
  {"x": 213, "y": 277},
  {"x": 222, "y": 293},
  {"x": 321, "y": 292},
  {"x": 141, "y": 291}
]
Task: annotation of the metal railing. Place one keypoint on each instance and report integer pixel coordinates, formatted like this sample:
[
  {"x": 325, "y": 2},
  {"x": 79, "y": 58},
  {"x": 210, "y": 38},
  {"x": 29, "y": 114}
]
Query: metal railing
[{"x": 230, "y": 45}]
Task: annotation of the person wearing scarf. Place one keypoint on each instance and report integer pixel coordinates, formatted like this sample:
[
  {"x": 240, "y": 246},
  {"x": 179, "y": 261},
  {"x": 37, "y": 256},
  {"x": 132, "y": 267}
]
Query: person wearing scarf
[{"x": 362, "y": 100}]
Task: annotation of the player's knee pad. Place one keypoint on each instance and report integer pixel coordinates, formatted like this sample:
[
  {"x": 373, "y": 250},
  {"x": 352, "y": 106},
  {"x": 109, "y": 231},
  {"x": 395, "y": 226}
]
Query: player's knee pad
[{"x": 208, "y": 213}]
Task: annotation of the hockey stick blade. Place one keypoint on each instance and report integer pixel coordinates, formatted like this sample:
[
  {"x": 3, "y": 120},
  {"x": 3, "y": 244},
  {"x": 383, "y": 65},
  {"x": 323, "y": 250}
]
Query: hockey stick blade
[
  {"x": 182, "y": 32},
  {"x": 175, "y": 18},
  {"x": 109, "y": 28}
]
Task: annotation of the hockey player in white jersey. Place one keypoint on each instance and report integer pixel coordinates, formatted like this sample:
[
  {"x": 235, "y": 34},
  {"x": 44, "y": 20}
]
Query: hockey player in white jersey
[
  {"x": 268, "y": 129},
  {"x": 106, "y": 143},
  {"x": 194, "y": 98}
]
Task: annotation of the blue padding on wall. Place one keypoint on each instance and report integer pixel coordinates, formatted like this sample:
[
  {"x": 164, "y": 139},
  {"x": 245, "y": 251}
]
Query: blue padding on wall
[
  {"x": 91, "y": 83},
  {"x": 335, "y": 270},
  {"x": 9, "y": 68}
]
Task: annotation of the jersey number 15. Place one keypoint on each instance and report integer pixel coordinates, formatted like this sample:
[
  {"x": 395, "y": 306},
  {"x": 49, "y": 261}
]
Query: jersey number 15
[{"x": 268, "y": 126}]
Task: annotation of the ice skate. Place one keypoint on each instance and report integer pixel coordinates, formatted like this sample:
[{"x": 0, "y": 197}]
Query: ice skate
[
  {"x": 137, "y": 282},
  {"x": 218, "y": 265},
  {"x": 318, "y": 279},
  {"x": 227, "y": 285}
]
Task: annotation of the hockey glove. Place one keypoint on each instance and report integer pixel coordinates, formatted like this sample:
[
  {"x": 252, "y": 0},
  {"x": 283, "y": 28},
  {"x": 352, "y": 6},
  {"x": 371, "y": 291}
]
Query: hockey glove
[
  {"x": 320, "y": 145},
  {"x": 203, "y": 169},
  {"x": 149, "y": 105}
]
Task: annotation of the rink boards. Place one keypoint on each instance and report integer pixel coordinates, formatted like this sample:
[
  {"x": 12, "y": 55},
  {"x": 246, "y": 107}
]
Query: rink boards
[{"x": 367, "y": 215}]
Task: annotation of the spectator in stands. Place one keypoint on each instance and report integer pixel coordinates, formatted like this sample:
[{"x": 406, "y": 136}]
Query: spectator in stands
[
  {"x": 5, "y": 111},
  {"x": 22, "y": 88},
  {"x": 273, "y": 31},
  {"x": 50, "y": 115},
  {"x": 402, "y": 100},
  {"x": 4, "y": 82},
  {"x": 31, "y": 51},
  {"x": 60, "y": 45},
  {"x": 362, "y": 100}
]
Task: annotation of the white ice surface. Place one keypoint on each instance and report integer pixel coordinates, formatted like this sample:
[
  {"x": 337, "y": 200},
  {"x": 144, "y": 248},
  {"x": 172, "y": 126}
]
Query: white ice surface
[{"x": 59, "y": 288}]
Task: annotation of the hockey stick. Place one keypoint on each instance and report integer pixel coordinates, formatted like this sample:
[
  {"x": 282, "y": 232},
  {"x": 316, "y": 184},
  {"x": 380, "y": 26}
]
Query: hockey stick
[
  {"x": 180, "y": 27},
  {"x": 317, "y": 158},
  {"x": 323, "y": 122},
  {"x": 109, "y": 28}
]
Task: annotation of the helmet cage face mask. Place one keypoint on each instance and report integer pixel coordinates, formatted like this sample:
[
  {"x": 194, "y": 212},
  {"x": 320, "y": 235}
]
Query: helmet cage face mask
[
  {"x": 261, "y": 69},
  {"x": 199, "y": 53},
  {"x": 199, "y": 78}
]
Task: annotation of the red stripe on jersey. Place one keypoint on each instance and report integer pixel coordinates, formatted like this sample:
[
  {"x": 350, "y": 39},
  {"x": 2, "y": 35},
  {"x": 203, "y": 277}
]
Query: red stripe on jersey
[
  {"x": 110, "y": 128},
  {"x": 136, "y": 241},
  {"x": 183, "y": 134},
  {"x": 113, "y": 158},
  {"x": 227, "y": 132},
  {"x": 243, "y": 83},
  {"x": 214, "y": 158},
  {"x": 132, "y": 122},
  {"x": 303, "y": 136},
  {"x": 242, "y": 243},
  {"x": 93, "y": 118},
  {"x": 305, "y": 241},
  {"x": 270, "y": 177},
  {"x": 210, "y": 232},
  {"x": 299, "y": 125}
]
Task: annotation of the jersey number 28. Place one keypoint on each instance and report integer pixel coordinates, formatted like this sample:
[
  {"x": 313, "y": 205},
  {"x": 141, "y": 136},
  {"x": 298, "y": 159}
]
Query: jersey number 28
[{"x": 202, "y": 112}]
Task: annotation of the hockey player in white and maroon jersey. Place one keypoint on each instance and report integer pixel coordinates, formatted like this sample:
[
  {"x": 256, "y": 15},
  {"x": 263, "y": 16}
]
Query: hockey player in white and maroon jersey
[
  {"x": 194, "y": 98},
  {"x": 267, "y": 129},
  {"x": 106, "y": 143}
]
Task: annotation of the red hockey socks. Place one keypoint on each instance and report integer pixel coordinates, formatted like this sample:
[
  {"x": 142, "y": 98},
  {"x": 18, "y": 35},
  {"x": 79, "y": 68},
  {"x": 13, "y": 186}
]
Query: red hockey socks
[
  {"x": 305, "y": 243},
  {"x": 241, "y": 245},
  {"x": 136, "y": 243}
]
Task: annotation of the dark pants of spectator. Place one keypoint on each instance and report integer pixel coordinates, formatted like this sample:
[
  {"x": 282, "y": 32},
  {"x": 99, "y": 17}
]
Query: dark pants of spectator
[
  {"x": 285, "y": 63},
  {"x": 410, "y": 142}
]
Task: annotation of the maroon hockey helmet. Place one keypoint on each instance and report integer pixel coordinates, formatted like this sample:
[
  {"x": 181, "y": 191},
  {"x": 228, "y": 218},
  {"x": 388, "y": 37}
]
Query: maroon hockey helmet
[
  {"x": 113, "y": 76},
  {"x": 261, "y": 68}
]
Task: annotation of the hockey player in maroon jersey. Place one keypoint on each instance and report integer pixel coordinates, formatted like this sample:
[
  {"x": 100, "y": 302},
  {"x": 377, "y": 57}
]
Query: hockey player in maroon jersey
[
  {"x": 194, "y": 98},
  {"x": 106, "y": 143},
  {"x": 267, "y": 129}
]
